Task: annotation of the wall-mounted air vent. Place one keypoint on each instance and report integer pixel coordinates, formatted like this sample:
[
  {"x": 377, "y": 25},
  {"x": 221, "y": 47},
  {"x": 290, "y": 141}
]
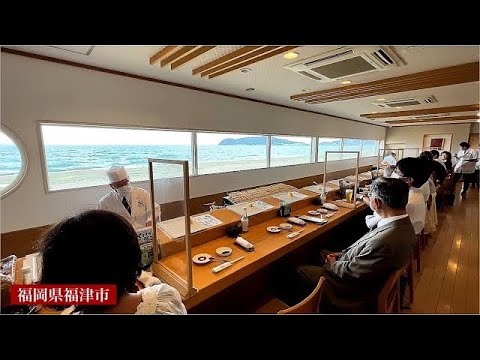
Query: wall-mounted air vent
[
  {"x": 346, "y": 62},
  {"x": 405, "y": 102}
]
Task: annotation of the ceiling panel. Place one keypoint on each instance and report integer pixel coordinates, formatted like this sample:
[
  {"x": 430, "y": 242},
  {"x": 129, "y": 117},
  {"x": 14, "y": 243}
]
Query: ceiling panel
[{"x": 273, "y": 83}]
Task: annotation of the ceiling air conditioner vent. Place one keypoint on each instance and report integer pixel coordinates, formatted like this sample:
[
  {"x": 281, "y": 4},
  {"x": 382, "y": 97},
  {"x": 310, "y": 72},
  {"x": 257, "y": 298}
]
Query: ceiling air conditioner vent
[
  {"x": 311, "y": 76},
  {"x": 405, "y": 102},
  {"x": 346, "y": 62},
  {"x": 430, "y": 100},
  {"x": 430, "y": 116},
  {"x": 329, "y": 57},
  {"x": 383, "y": 57}
]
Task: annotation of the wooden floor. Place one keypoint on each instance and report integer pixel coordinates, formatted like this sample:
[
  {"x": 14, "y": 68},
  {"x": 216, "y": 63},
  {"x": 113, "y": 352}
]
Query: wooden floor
[{"x": 449, "y": 278}]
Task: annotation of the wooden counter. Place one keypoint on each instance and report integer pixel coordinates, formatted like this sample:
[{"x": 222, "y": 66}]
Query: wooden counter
[{"x": 268, "y": 248}]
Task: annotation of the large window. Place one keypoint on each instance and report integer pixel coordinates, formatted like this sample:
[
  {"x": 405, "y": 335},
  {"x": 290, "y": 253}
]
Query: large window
[
  {"x": 369, "y": 148},
  {"x": 79, "y": 156},
  {"x": 219, "y": 152},
  {"x": 12, "y": 162},
  {"x": 290, "y": 150},
  {"x": 351, "y": 145},
  {"x": 329, "y": 144}
]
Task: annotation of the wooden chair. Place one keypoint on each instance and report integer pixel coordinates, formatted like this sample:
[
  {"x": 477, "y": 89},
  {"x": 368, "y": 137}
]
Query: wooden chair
[
  {"x": 416, "y": 250},
  {"x": 389, "y": 300},
  {"x": 311, "y": 304}
]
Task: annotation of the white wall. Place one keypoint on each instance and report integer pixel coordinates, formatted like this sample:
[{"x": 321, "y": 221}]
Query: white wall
[
  {"x": 33, "y": 90},
  {"x": 412, "y": 136}
]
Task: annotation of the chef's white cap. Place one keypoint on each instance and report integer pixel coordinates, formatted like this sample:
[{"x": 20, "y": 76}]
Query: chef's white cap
[{"x": 116, "y": 173}]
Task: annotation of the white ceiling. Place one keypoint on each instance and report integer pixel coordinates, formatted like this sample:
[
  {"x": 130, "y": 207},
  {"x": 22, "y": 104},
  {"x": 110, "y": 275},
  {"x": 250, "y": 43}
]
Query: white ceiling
[{"x": 273, "y": 83}]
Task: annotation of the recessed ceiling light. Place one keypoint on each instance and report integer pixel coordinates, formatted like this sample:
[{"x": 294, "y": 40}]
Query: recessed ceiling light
[
  {"x": 398, "y": 107},
  {"x": 346, "y": 82},
  {"x": 245, "y": 70},
  {"x": 381, "y": 99},
  {"x": 249, "y": 89},
  {"x": 290, "y": 55}
]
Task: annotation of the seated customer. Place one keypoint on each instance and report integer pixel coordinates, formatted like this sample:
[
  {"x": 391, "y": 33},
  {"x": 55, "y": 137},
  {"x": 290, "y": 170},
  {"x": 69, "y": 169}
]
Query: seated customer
[
  {"x": 356, "y": 275},
  {"x": 439, "y": 172},
  {"x": 414, "y": 172},
  {"x": 101, "y": 247}
]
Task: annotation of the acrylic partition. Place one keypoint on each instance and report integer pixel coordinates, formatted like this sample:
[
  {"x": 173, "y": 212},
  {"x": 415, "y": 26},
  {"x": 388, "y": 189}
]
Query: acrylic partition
[
  {"x": 411, "y": 152},
  {"x": 356, "y": 154},
  {"x": 170, "y": 179}
]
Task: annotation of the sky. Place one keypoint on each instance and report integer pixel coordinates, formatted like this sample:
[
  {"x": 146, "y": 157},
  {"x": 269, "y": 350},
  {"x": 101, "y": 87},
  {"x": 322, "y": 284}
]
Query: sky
[
  {"x": 85, "y": 135},
  {"x": 4, "y": 139}
]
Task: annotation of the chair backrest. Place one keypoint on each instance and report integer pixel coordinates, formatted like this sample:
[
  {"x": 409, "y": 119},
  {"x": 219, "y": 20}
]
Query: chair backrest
[
  {"x": 389, "y": 300},
  {"x": 311, "y": 304}
]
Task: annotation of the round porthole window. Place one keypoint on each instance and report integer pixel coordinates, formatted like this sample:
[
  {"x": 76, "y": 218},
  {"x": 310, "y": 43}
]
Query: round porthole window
[{"x": 13, "y": 162}]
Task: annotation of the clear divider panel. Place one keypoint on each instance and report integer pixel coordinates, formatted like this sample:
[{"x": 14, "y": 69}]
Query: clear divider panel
[
  {"x": 169, "y": 186},
  {"x": 411, "y": 152},
  {"x": 343, "y": 190}
]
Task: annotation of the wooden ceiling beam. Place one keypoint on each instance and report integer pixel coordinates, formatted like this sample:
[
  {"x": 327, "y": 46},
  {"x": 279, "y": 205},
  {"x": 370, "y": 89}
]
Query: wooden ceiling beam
[
  {"x": 195, "y": 53},
  {"x": 451, "y": 75},
  {"x": 252, "y": 61},
  {"x": 160, "y": 54},
  {"x": 442, "y": 119},
  {"x": 439, "y": 110},
  {"x": 240, "y": 59},
  {"x": 184, "y": 50},
  {"x": 225, "y": 58}
]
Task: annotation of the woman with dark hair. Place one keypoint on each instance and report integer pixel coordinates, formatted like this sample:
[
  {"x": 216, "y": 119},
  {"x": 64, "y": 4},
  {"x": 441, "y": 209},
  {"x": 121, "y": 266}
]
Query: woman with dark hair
[
  {"x": 447, "y": 160},
  {"x": 101, "y": 247}
]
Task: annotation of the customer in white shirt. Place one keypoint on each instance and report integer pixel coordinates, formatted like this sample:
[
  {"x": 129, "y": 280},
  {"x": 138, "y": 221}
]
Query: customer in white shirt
[
  {"x": 465, "y": 166},
  {"x": 415, "y": 174}
]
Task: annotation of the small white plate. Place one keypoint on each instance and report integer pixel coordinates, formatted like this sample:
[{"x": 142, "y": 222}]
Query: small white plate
[
  {"x": 274, "y": 229},
  {"x": 202, "y": 258},
  {"x": 285, "y": 226},
  {"x": 224, "y": 251}
]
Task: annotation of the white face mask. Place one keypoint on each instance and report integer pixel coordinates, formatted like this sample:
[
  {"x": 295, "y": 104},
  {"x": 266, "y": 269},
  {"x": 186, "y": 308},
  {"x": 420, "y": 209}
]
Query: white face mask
[
  {"x": 125, "y": 190},
  {"x": 395, "y": 175}
]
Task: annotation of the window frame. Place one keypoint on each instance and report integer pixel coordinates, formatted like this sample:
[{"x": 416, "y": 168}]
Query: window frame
[
  {"x": 314, "y": 158},
  {"x": 43, "y": 155},
  {"x": 311, "y": 156},
  {"x": 267, "y": 150},
  {"x": 318, "y": 144},
  {"x": 11, "y": 188}
]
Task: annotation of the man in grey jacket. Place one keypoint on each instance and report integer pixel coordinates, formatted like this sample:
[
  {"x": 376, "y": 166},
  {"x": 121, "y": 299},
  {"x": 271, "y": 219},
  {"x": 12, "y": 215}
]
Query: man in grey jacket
[{"x": 356, "y": 275}]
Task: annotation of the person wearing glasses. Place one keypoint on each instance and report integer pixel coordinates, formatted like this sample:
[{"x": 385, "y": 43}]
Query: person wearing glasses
[
  {"x": 356, "y": 274},
  {"x": 415, "y": 172},
  {"x": 132, "y": 203}
]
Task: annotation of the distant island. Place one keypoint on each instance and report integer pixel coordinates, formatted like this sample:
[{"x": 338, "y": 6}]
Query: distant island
[{"x": 258, "y": 140}]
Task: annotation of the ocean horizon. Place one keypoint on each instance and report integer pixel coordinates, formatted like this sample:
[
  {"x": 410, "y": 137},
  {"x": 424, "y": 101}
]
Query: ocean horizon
[{"x": 65, "y": 162}]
